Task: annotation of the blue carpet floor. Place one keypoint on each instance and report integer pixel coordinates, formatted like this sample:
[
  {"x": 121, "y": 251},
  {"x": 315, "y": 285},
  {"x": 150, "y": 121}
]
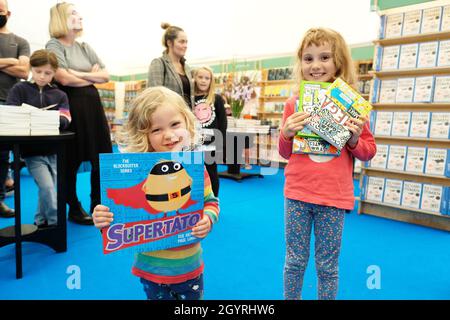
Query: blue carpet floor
[{"x": 244, "y": 254}]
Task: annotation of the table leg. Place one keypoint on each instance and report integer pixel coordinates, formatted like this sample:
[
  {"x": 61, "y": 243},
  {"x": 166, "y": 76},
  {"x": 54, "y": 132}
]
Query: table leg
[{"x": 18, "y": 222}]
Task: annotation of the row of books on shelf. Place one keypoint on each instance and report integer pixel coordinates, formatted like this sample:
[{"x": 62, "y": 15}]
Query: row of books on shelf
[
  {"x": 417, "y": 90},
  {"x": 364, "y": 68},
  {"x": 246, "y": 125},
  {"x": 414, "y": 22},
  {"x": 420, "y": 196},
  {"x": 364, "y": 86},
  {"x": 410, "y": 56},
  {"x": 433, "y": 125},
  {"x": 106, "y": 94},
  {"x": 253, "y": 76},
  {"x": 430, "y": 161},
  {"x": 278, "y": 91},
  {"x": 108, "y": 104},
  {"x": 276, "y": 107},
  {"x": 279, "y": 74}
]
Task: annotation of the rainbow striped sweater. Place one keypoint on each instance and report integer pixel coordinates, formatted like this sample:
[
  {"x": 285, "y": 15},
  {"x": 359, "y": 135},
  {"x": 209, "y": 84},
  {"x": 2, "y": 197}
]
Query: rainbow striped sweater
[{"x": 179, "y": 264}]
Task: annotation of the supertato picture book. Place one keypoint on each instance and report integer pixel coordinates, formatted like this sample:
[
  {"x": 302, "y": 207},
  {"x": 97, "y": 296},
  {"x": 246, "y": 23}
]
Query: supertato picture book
[{"x": 156, "y": 199}]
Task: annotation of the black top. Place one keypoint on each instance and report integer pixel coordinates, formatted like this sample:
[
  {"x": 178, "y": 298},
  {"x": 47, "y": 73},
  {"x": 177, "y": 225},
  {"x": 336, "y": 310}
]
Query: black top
[{"x": 186, "y": 89}]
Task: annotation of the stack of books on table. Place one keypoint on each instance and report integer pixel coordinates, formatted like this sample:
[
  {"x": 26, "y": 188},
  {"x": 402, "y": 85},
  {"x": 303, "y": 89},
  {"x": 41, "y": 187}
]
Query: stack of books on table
[
  {"x": 27, "y": 120},
  {"x": 14, "y": 121},
  {"x": 44, "y": 122}
]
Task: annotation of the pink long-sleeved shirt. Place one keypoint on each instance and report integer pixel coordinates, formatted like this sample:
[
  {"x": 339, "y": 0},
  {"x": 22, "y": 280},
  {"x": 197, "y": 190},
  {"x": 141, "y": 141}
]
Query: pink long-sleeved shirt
[{"x": 323, "y": 183}]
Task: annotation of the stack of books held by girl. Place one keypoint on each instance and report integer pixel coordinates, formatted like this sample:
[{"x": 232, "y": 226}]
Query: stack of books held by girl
[
  {"x": 330, "y": 106},
  {"x": 27, "y": 120}
]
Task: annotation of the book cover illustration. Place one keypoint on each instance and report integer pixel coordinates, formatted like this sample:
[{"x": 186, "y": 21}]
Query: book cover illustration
[
  {"x": 433, "y": 199},
  {"x": 348, "y": 99},
  {"x": 405, "y": 90},
  {"x": 440, "y": 125},
  {"x": 444, "y": 54},
  {"x": 390, "y": 57},
  {"x": 408, "y": 56},
  {"x": 156, "y": 199},
  {"x": 374, "y": 188},
  {"x": 437, "y": 160},
  {"x": 330, "y": 124},
  {"x": 316, "y": 146},
  {"x": 340, "y": 103},
  {"x": 431, "y": 20},
  {"x": 411, "y": 25},
  {"x": 393, "y": 191},
  {"x": 380, "y": 159},
  {"x": 383, "y": 123},
  {"x": 415, "y": 159},
  {"x": 397, "y": 158},
  {"x": 420, "y": 124},
  {"x": 400, "y": 124},
  {"x": 388, "y": 91},
  {"x": 412, "y": 192},
  {"x": 311, "y": 97},
  {"x": 306, "y": 141}
]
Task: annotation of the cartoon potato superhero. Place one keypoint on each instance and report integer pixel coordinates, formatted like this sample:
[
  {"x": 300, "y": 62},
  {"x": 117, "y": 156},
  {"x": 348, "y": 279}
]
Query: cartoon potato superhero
[{"x": 167, "y": 188}]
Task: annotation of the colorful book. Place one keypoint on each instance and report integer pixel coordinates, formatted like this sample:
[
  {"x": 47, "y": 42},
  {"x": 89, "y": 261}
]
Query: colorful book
[
  {"x": 156, "y": 199},
  {"x": 316, "y": 146},
  {"x": 306, "y": 141},
  {"x": 348, "y": 99},
  {"x": 324, "y": 123},
  {"x": 340, "y": 103},
  {"x": 311, "y": 97}
]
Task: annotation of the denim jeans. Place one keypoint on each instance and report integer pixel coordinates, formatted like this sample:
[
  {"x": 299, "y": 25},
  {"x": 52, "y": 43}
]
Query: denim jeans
[
  {"x": 188, "y": 290},
  {"x": 43, "y": 170}
]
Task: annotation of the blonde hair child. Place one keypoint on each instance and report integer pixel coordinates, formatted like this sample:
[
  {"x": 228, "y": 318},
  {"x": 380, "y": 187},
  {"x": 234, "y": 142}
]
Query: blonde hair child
[
  {"x": 318, "y": 190},
  {"x": 160, "y": 121}
]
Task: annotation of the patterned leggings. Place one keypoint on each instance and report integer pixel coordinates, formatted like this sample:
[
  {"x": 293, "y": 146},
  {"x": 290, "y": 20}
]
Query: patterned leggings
[
  {"x": 189, "y": 290},
  {"x": 328, "y": 224}
]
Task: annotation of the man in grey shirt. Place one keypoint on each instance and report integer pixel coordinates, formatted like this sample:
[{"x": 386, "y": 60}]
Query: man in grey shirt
[{"x": 14, "y": 64}]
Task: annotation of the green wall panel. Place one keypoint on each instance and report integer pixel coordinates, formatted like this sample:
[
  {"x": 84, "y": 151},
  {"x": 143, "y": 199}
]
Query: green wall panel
[{"x": 389, "y": 4}]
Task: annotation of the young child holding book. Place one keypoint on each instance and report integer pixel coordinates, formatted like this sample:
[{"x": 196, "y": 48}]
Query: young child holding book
[
  {"x": 210, "y": 111},
  {"x": 319, "y": 189},
  {"x": 41, "y": 160},
  {"x": 160, "y": 121}
]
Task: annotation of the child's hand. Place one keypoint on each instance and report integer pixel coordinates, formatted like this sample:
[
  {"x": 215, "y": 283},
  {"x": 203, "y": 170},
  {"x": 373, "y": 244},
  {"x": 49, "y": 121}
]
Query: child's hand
[
  {"x": 356, "y": 127},
  {"x": 102, "y": 216},
  {"x": 295, "y": 122},
  {"x": 202, "y": 228}
]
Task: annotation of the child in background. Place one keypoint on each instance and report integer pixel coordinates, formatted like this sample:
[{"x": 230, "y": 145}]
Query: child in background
[
  {"x": 210, "y": 112},
  {"x": 319, "y": 189},
  {"x": 41, "y": 160},
  {"x": 160, "y": 121}
]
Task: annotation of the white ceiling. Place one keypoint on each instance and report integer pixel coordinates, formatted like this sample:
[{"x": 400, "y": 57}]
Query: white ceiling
[{"x": 127, "y": 34}]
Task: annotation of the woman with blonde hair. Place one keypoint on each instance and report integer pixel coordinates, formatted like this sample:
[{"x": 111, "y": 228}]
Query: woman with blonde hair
[
  {"x": 170, "y": 70},
  {"x": 79, "y": 69}
]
